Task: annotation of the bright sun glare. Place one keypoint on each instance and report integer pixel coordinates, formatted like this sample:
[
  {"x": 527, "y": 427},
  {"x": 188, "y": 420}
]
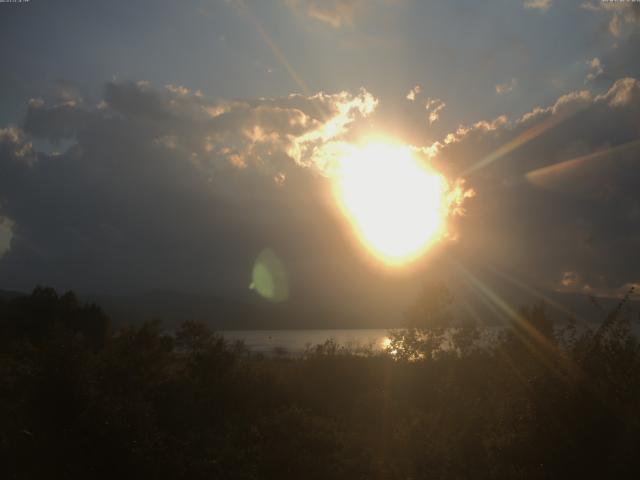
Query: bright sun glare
[{"x": 396, "y": 204}]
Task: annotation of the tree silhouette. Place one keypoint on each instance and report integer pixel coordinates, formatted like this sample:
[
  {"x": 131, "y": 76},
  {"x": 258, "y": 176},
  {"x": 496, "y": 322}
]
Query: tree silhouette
[{"x": 79, "y": 400}]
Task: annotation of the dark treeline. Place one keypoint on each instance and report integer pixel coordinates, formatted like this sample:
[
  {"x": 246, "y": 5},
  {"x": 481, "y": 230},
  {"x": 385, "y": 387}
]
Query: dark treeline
[{"x": 79, "y": 399}]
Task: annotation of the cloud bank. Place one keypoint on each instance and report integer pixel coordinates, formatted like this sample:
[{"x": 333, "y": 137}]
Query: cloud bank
[
  {"x": 164, "y": 188},
  {"x": 161, "y": 188},
  {"x": 557, "y": 188}
]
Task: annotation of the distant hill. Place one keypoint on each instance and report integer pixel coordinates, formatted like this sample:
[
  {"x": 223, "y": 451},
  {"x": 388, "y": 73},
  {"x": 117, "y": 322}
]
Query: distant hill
[
  {"x": 8, "y": 294},
  {"x": 247, "y": 311},
  {"x": 229, "y": 313},
  {"x": 251, "y": 312}
]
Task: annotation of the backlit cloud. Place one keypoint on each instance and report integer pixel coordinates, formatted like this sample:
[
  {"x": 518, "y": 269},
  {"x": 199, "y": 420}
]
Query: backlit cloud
[
  {"x": 434, "y": 107},
  {"x": 595, "y": 69},
  {"x": 507, "y": 86},
  {"x": 542, "y": 5},
  {"x": 168, "y": 181},
  {"x": 413, "y": 93}
]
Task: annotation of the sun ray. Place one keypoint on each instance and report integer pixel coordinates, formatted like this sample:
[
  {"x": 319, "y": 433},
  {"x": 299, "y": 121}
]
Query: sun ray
[
  {"x": 275, "y": 49},
  {"x": 541, "y": 346},
  {"x": 535, "y": 292},
  {"x": 525, "y": 137},
  {"x": 543, "y": 175}
]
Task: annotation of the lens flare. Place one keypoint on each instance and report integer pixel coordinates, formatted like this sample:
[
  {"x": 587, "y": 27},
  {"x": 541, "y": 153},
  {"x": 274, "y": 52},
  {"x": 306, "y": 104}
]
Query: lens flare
[
  {"x": 396, "y": 204},
  {"x": 269, "y": 277}
]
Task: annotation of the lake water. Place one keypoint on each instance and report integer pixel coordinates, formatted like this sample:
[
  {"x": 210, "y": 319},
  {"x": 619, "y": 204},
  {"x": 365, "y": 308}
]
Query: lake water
[{"x": 296, "y": 341}]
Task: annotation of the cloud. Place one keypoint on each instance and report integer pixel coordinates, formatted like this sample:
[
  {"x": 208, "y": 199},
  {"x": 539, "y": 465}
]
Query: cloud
[
  {"x": 542, "y": 5},
  {"x": 595, "y": 69},
  {"x": 622, "y": 60},
  {"x": 506, "y": 87},
  {"x": 614, "y": 25},
  {"x": 556, "y": 188},
  {"x": 573, "y": 282},
  {"x": 413, "y": 93},
  {"x": 337, "y": 13},
  {"x": 619, "y": 13},
  {"x": 163, "y": 188},
  {"x": 434, "y": 107}
]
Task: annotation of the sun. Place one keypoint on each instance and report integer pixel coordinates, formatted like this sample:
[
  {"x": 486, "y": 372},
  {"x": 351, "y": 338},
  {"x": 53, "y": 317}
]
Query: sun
[{"x": 395, "y": 203}]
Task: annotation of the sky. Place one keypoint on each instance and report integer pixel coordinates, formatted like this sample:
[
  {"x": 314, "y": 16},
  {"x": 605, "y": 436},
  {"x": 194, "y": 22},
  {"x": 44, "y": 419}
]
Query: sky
[{"x": 156, "y": 145}]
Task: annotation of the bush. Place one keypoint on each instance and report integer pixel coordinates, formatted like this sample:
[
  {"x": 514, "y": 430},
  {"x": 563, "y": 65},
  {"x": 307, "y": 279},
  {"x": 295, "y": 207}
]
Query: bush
[{"x": 78, "y": 401}]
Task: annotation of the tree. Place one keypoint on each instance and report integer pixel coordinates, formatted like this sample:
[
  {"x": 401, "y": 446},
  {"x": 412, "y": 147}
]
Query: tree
[{"x": 427, "y": 322}]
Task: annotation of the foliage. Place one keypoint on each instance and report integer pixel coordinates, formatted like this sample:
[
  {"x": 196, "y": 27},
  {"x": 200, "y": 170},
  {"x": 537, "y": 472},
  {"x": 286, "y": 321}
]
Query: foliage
[{"x": 80, "y": 401}]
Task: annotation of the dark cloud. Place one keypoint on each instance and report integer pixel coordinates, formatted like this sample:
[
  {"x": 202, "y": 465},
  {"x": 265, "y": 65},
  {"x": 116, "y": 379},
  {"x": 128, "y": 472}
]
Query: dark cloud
[
  {"x": 163, "y": 189},
  {"x": 622, "y": 59},
  {"x": 580, "y": 217}
]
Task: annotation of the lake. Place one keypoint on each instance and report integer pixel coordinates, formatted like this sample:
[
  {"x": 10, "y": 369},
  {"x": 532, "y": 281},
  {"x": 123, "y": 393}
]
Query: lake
[{"x": 296, "y": 341}]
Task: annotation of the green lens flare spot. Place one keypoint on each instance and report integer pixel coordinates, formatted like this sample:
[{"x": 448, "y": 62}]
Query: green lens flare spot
[{"x": 269, "y": 277}]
